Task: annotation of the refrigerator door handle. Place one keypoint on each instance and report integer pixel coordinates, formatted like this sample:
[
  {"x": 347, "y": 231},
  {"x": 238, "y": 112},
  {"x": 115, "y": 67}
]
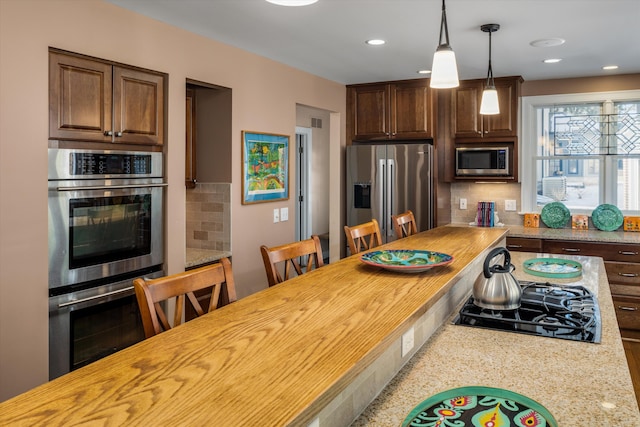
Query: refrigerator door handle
[
  {"x": 391, "y": 166},
  {"x": 382, "y": 199}
]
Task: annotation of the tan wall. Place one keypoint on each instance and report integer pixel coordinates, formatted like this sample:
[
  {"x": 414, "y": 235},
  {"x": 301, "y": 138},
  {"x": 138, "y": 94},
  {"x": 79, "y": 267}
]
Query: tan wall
[
  {"x": 265, "y": 95},
  {"x": 581, "y": 85}
]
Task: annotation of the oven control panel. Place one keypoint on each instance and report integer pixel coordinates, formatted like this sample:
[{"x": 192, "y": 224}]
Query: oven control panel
[{"x": 68, "y": 164}]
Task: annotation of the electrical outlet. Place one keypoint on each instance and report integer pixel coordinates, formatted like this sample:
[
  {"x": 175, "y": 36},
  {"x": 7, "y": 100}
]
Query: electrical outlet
[
  {"x": 407, "y": 341},
  {"x": 463, "y": 203},
  {"x": 284, "y": 214},
  {"x": 509, "y": 205},
  {"x": 276, "y": 215}
]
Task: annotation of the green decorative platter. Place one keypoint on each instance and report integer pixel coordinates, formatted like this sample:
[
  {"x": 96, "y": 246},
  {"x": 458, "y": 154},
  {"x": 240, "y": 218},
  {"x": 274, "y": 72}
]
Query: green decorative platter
[
  {"x": 553, "y": 267},
  {"x": 479, "y": 406},
  {"x": 607, "y": 217},
  {"x": 405, "y": 260},
  {"x": 555, "y": 215}
]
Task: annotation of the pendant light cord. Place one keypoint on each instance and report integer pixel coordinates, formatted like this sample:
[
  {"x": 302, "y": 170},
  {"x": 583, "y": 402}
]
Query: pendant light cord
[
  {"x": 443, "y": 25},
  {"x": 490, "y": 81}
]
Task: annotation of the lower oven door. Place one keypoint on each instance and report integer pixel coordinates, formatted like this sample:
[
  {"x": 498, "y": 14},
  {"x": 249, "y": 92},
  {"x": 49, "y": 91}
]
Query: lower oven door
[
  {"x": 104, "y": 228},
  {"x": 86, "y": 325}
]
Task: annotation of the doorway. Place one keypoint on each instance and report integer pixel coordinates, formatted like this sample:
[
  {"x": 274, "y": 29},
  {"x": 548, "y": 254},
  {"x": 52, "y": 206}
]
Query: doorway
[{"x": 312, "y": 170}]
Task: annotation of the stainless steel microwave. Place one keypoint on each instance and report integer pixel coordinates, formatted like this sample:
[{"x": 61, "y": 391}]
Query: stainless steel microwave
[{"x": 482, "y": 161}]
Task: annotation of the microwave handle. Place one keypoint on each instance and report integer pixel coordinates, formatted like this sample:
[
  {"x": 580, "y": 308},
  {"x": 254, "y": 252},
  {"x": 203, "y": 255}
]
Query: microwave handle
[{"x": 111, "y": 187}]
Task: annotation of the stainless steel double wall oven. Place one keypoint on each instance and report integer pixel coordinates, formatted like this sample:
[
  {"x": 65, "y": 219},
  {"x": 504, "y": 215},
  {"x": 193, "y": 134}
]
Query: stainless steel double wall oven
[{"x": 105, "y": 228}]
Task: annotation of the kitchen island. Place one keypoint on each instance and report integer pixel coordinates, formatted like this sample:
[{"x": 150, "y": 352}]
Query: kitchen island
[
  {"x": 579, "y": 383},
  {"x": 315, "y": 350},
  {"x": 318, "y": 347}
]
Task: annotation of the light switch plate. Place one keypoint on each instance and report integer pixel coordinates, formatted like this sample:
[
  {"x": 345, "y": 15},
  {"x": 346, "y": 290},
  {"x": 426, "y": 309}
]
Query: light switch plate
[
  {"x": 509, "y": 205},
  {"x": 407, "y": 341},
  {"x": 276, "y": 215},
  {"x": 463, "y": 203},
  {"x": 284, "y": 214}
]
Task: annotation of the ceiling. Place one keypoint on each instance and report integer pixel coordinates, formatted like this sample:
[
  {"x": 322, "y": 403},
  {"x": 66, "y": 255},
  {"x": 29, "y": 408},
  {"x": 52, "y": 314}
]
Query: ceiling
[{"x": 328, "y": 38}]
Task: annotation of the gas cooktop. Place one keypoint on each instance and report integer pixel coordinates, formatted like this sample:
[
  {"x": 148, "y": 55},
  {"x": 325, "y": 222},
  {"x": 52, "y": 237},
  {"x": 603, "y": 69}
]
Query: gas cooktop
[{"x": 567, "y": 312}]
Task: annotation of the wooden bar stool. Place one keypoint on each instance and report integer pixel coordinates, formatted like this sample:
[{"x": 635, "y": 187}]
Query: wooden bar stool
[
  {"x": 363, "y": 236},
  {"x": 150, "y": 292},
  {"x": 285, "y": 256},
  {"x": 404, "y": 224}
]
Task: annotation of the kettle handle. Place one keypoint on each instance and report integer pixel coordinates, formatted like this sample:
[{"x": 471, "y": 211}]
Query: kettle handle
[{"x": 488, "y": 272}]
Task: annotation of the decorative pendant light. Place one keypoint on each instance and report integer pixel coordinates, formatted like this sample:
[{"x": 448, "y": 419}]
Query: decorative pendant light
[
  {"x": 444, "y": 71},
  {"x": 489, "y": 104}
]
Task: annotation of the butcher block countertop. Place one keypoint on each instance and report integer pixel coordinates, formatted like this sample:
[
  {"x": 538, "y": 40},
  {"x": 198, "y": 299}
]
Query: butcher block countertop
[
  {"x": 274, "y": 358},
  {"x": 579, "y": 383}
]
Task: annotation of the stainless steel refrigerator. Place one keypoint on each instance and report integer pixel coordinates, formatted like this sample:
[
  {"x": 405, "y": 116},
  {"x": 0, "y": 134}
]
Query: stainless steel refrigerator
[{"x": 387, "y": 179}]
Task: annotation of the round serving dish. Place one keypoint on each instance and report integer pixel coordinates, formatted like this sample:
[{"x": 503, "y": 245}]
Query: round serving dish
[
  {"x": 405, "y": 260},
  {"x": 553, "y": 267},
  {"x": 479, "y": 406},
  {"x": 555, "y": 215},
  {"x": 607, "y": 217}
]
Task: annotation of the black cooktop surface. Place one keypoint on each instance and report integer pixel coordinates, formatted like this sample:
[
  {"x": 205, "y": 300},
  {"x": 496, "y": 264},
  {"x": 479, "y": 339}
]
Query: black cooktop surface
[{"x": 567, "y": 312}]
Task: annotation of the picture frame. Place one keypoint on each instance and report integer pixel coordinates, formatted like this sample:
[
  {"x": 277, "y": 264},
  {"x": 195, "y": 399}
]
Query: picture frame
[{"x": 265, "y": 167}]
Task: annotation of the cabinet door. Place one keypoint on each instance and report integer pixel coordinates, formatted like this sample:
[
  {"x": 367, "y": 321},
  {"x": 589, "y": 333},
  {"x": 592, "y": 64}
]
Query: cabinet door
[
  {"x": 138, "y": 101},
  {"x": 467, "y": 121},
  {"x": 411, "y": 112},
  {"x": 505, "y": 123},
  {"x": 370, "y": 112},
  {"x": 190, "y": 158},
  {"x": 79, "y": 98}
]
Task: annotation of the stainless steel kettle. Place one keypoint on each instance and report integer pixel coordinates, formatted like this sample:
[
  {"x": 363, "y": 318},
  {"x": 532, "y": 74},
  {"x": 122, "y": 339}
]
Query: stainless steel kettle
[{"x": 496, "y": 288}]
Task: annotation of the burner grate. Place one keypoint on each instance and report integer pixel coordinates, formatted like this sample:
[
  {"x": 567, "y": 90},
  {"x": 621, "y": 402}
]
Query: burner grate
[{"x": 558, "y": 311}]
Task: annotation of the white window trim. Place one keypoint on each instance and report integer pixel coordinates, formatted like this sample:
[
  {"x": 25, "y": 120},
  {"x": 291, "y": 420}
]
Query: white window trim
[{"x": 527, "y": 147}]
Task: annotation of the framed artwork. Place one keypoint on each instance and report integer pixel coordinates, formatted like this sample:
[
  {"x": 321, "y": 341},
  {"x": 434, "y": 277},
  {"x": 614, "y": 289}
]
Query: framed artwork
[{"x": 265, "y": 167}]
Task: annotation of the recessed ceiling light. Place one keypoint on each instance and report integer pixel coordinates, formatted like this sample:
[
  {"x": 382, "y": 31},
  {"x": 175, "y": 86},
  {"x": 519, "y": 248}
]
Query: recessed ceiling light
[
  {"x": 552, "y": 60},
  {"x": 292, "y": 2},
  {"x": 547, "y": 42},
  {"x": 375, "y": 42},
  {"x": 424, "y": 71},
  {"x": 610, "y": 67}
]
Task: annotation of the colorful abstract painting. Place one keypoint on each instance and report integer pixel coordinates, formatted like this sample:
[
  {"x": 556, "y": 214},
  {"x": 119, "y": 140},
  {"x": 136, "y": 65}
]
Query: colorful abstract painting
[{"x": 265, "y": 167}]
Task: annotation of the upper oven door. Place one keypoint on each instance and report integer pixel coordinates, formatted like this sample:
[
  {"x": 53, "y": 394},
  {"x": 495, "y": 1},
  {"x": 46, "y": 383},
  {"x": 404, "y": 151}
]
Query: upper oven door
[{"x": 98, "y": 231}]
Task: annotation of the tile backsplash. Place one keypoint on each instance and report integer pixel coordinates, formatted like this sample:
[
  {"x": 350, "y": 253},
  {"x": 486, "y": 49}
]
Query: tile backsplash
[
  {"x": 208, "y": 214},
  {"x": 475, "y": 193}
]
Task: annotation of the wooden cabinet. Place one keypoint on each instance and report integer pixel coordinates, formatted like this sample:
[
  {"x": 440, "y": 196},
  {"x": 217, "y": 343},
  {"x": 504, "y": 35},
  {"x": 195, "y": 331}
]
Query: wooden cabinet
[
  {"x": 520, "y": 244},
  {"x": 97, "y": 101},
  {"x": 390, "y": 110},
  {"x": 470, "y": 125}
]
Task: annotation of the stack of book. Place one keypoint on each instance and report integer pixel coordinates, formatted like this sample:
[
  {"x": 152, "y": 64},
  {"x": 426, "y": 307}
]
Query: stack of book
[{"x": 486, "y": 214}]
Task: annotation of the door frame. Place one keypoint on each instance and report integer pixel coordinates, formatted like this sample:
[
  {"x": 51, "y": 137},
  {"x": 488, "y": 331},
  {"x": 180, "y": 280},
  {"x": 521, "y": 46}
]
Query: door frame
[{"x": 303, "y": 183}]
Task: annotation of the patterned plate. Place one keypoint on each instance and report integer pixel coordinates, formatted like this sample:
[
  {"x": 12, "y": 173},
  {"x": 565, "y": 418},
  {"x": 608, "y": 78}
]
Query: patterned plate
[
  {"x": 405, "y": 260},
  {"x": 607, "y": 217},
  {"x": 479, "y": 406},
  {"x": 553, "y": 267},
  {"x": 555, "y": 215}
]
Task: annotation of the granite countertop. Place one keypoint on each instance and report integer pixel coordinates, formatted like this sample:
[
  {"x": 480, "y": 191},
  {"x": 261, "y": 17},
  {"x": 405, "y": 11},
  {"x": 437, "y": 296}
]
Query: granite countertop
[
  {"x": 591, "y": 235},
  {"x": 575, "y": 381},
  {"x": 196, "y": 257}
]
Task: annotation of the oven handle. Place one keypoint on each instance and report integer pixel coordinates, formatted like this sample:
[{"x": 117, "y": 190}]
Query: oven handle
[
  {"x": 111, "y": 187},
  {"x": 108, "y": 294}
]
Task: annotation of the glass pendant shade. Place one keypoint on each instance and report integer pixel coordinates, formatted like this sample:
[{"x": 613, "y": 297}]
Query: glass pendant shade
[
  {"x": 489, "y": 104},
  {"x": 444, "y": 71}
]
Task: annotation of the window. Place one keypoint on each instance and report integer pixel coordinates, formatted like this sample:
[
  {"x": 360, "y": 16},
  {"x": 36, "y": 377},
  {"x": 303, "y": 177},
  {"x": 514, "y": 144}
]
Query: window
[{"x": 582, "y": 150}]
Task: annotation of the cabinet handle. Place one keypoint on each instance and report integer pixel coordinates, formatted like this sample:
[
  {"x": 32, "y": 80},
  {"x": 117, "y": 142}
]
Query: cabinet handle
[
  {"x": 108, "y": 133},
  {"x": 515, "y": 246},
  {"x": 627, "y": 253},
  {"x": 570, "y": 250},
  {"x": 628, "y": 274},
  {"x": 118, "y": 134},
  {"x": 622, "y": 307}
]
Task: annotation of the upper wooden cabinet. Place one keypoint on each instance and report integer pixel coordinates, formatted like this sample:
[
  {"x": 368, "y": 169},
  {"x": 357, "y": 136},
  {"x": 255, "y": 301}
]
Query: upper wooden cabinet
[
  {"x": 96, "y": 101},
  {"x": 390, "y": 110},
  {"x": 469, "y": 124},
  {"x": 190, "y": 154}
]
